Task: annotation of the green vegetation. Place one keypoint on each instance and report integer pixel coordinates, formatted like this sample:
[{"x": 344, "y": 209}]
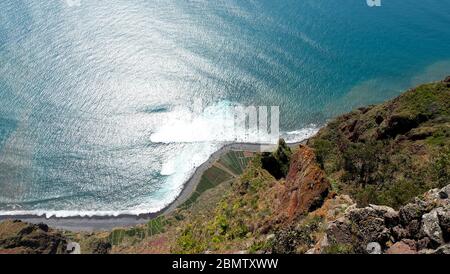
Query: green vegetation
[
  {"x": 390, "y": 153},
  {"x": 135, "y": 234},
  {"x": 235, "y": 161},
  {"x": 261, "y": 246},
  {"x": 235, "y": 219},
  {"x": 211, "y": 178},
  {"x": 339, "y": 249},
  {"x": 299, "y": 239}
]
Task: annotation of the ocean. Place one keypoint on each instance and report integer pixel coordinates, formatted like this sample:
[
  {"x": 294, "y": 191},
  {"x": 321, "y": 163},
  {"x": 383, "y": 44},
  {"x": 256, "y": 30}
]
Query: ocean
[{"x": 95, "y": 96}]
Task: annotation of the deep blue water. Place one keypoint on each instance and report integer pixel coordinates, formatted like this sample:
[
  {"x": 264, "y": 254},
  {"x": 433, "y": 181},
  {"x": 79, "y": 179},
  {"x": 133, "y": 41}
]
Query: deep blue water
[{"x": 91, "y": 94}]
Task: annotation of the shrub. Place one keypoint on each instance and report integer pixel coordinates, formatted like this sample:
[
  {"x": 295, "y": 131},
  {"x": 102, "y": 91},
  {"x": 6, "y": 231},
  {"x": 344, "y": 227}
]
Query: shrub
[
  {"x": 440, "y": 169},
  {"x": 188, "y": 243},
  {"x": 339, "y": 249}
]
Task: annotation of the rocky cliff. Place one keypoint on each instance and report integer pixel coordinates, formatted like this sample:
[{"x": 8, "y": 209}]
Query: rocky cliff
[
  {"x": 20, "y": 237},
  {"x": 306, "y": 185},
  {"x": 376, "y": 180},
  {"x": 389, "y": 153},
  {"x": 421, "y": 226}
]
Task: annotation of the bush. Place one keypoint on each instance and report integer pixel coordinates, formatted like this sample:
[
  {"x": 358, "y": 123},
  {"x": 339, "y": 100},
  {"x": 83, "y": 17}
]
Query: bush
[
  {"x": 339, "y": 249},
  {"x": 440, "y": 169},
  {"x": 361, "y": 162},
  {"x": 323, "y": 149},
  {"x": 188, "y": 243}
]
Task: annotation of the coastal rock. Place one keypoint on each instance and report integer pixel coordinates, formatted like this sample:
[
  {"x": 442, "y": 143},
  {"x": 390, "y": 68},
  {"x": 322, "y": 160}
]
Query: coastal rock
[
  {"x": 20, "y": 237},
  {"x": 423, "y": 243},
  {"x": 436, "y": 198},
  {"x": 414, "y": 230},
  {"x": 447, "y": 81},
  {"x": 361, "y": 228},
  {"x": 306, "y": 185},
  {"x": 420, "y": 226}
]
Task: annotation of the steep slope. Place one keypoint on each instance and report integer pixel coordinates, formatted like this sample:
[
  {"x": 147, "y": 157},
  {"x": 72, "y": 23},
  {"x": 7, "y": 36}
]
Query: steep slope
[
  {"x": 242, "y": 217},
  {"x": 390, "y": 153},
  {"x": 361, "y": 185}
]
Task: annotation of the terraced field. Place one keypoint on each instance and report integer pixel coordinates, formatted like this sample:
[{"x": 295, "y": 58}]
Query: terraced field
[
  {"x": 153, "y": 227},
  {"x": 226, "y": 169}
]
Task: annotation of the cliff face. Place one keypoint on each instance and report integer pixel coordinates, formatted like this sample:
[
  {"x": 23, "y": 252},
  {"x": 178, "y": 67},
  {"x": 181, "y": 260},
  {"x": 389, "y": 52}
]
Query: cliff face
[
  {"x": 390, "y": 153},
  {"x": 306, "y": 186},
  {"x": 325, "y": 203},
  {"x": 375, "y": 180},
  {"x": 257, "y": 205},
  {"x": 244, "y": 216}
]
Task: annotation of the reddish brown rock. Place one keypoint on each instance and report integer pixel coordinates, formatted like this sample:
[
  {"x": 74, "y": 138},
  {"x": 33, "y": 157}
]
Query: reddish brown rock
[
  {"x": 403, "y": 247},
  {"x": 306, "y": 186}
]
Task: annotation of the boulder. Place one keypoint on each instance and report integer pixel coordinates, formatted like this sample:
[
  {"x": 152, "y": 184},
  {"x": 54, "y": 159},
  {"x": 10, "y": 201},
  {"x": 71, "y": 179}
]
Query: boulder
[
  {"x": 422, "y": 226},
  {"x": 339, "y": 231},
  {"x": 409, "y": 212},
  {"x": 399, "y": 233},
  {"x": 368, "y": 225},
  {"x": 402, "y": 247},
  {"x": 423, "y": 243},
  {"x": 414, "y": 230},
  {"x": 431, "y": 227},
  {"x": 444, "y": 223},
  {"x": 390, "y": 216}
]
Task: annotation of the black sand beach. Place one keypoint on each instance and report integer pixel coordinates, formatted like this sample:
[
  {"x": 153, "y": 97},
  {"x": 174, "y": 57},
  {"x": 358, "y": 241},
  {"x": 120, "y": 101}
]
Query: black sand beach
[{"x": 99, "y": 223}]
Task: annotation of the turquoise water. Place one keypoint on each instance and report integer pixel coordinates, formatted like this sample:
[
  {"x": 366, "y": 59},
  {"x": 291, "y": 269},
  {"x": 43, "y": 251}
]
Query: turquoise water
[{"x": 91, "y": 95}]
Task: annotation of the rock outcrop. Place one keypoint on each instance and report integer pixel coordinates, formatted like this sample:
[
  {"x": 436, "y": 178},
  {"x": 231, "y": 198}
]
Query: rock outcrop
[
  {"x": 277, "y": 162},
  {"x": 306, "y": 186},
  {"x": 392, "y": 152},
  {"x": 419, "y": 227},
  {"x": 20, "y": 237}
]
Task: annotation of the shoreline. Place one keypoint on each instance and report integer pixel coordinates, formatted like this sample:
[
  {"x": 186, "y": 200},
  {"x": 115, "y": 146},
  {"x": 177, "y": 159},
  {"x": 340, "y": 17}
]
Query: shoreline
[{"x": 107, "y": 223}]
